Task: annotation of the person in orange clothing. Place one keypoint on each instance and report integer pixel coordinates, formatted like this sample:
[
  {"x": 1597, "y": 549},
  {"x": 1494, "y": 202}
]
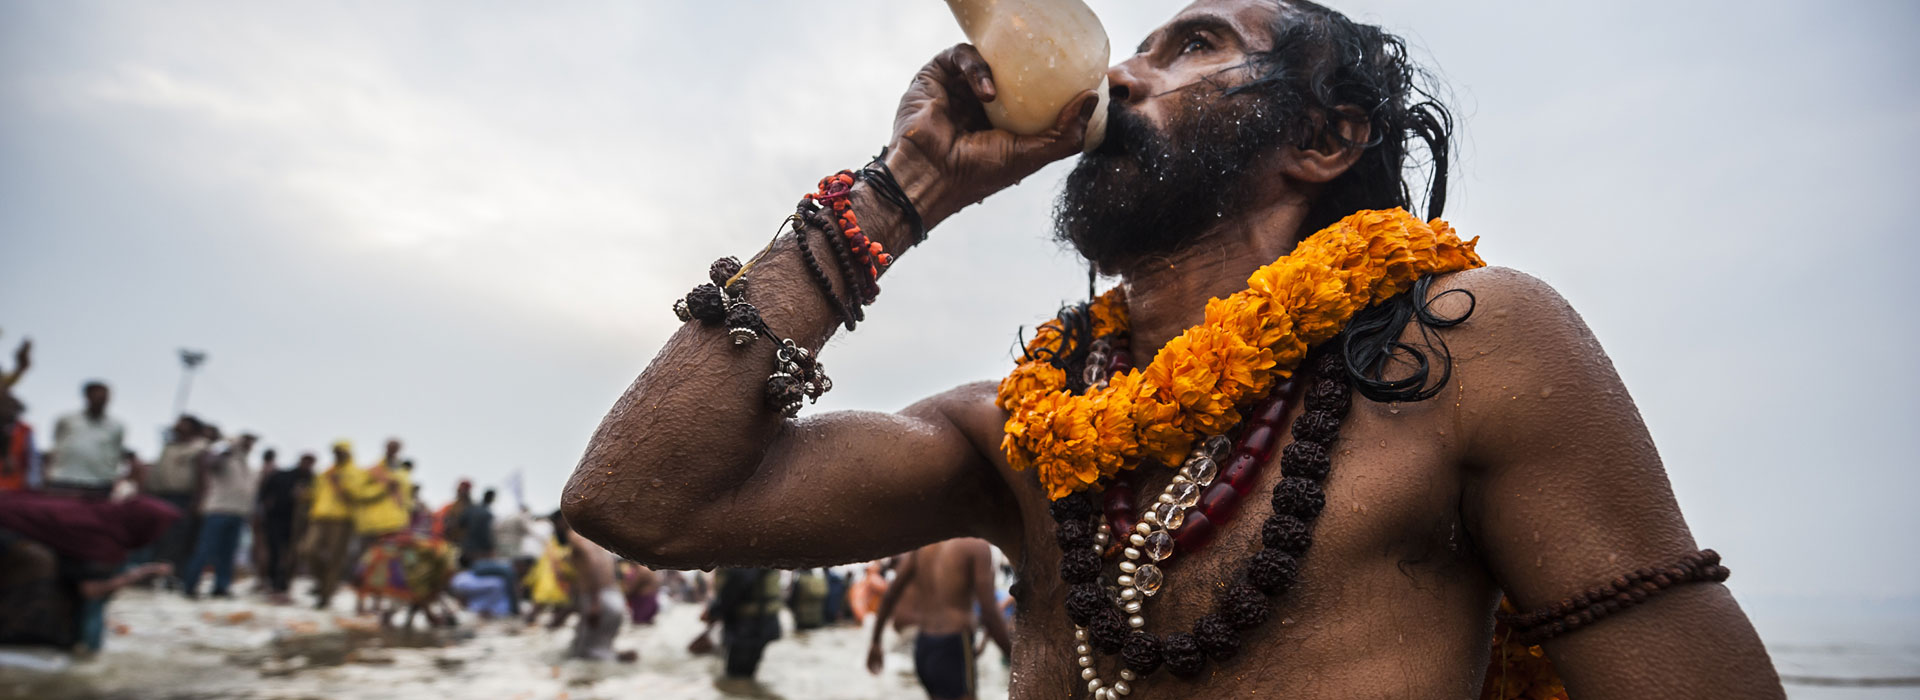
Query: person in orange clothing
[
  {"x": 447, "y": 524},
  {"x": 19, "y": 461},
  {"x": 864, "y": 599}
]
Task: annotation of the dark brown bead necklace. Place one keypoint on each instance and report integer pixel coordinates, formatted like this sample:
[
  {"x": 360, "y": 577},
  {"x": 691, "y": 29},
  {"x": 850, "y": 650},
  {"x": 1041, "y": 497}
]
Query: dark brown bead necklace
[{"x": 1272, "y": 571}]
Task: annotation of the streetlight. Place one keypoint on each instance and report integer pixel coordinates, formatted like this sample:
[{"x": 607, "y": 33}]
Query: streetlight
[{"x": 190, "y": 360}]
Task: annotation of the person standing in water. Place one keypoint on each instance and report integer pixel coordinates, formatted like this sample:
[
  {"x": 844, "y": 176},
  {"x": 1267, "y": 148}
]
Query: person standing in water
[
  {"x": 746, "y": 605},
  {"x": 951, "y": 580},
  {"x": 475, "y": 529},
  {"x": 226, "y": 502},
  {"x": 277, "y": 504},
  {"x": 330, "y": 524},
  {"x": 598, "y": 596}
]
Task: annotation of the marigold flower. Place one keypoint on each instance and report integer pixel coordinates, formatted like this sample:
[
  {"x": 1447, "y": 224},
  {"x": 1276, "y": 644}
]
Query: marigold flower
[{"x": 1198, "y": 382}]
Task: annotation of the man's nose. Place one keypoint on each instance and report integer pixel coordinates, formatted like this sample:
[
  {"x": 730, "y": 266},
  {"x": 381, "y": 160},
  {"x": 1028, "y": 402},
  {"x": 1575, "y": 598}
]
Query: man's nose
[{"x": 1124, "y": 84}]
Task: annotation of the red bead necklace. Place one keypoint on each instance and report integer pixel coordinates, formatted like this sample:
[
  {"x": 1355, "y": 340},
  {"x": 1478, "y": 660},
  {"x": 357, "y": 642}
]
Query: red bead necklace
[{"x": 1219, "y": 500}]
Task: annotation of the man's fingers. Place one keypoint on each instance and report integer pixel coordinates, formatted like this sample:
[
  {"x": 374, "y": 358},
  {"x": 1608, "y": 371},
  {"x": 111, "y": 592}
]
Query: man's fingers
[
  {"x": 962, "y": 65},
  {"x": 1068, "y": 133},
  {"x": 1074, "y": 117}
]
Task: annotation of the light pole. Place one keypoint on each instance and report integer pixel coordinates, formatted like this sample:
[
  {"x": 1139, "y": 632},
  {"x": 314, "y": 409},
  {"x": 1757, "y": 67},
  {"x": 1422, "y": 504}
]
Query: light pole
[{"x": 189, "y": 361}]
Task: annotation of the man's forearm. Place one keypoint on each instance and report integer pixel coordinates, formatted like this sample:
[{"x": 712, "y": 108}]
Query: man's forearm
[
  {"x": 885, "y": 612},
  {"x": 695, "y": 424}
]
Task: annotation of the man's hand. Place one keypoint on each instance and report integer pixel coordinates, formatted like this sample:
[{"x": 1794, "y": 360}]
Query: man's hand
[
  {"x": 948, "y": 156},
  {"x": 876, "y": 659}
]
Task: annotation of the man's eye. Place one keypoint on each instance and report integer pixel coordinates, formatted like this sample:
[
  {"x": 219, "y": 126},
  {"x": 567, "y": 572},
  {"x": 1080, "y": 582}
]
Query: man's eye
[{"x": 1195, "y": 44}]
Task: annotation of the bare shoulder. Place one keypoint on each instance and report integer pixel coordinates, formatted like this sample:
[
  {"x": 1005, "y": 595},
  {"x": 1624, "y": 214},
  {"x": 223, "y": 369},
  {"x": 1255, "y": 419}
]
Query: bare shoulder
[
  {"x": 1500, "y": 297},
  {"x": 1513, "y": 315},
  {"x": 1526, "y": 367}
]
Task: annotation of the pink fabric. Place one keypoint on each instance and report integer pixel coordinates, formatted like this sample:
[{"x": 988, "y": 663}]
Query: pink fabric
[{"x": 89, "y": 530}]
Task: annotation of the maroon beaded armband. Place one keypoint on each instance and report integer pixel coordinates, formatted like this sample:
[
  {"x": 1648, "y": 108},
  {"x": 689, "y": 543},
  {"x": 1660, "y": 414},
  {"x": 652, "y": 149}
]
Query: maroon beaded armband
[{"x": 1619, "y": 594}]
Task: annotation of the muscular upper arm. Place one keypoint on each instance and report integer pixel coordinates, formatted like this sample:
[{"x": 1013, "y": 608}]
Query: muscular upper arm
[
  {"x": 839, "y": 487},
  {"x": 1565, "y": 491}
]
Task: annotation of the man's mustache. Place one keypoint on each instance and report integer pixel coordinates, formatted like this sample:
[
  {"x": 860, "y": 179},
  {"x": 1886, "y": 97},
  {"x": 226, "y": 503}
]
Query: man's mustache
[{"x": 1126, "y": 132}]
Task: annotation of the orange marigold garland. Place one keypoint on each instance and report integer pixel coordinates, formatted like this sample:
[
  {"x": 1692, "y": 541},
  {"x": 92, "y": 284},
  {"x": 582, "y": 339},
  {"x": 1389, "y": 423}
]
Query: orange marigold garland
[
  {"x": 1519, "y": 671},
  {"x": 1249, "y": 340}
]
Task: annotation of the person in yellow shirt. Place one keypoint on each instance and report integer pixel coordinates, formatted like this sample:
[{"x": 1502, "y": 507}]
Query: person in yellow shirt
[
  {"x": 330, "y": 523},
  {"x": 382, "y": 500},
  {"x": 551, "y": 580},
  {"x": 382, "y": 496}
]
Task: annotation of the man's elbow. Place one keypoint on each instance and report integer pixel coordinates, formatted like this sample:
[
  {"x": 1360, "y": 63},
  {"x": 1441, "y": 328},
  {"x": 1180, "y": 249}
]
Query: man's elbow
[{"x": 641, "y": 533}]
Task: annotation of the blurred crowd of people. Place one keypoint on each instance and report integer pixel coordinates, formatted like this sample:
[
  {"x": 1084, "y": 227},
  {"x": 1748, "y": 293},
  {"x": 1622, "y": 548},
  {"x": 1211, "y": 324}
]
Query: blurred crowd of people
[{"x": 86, "y": 516}]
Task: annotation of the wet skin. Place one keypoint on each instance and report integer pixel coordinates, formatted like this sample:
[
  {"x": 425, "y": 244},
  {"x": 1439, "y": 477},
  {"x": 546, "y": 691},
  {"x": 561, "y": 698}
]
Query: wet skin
[
  {"x": 1531, "y": 473},
  {"x": 947, "y": 581}
]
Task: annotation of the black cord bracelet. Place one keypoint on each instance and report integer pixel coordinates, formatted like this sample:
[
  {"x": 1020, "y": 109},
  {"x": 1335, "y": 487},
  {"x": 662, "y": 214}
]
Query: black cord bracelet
[{"x": 888, "y": 187}]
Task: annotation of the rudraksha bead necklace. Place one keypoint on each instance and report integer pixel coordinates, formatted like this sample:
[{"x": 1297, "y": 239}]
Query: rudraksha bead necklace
[{"x": 1202, "y": 496}]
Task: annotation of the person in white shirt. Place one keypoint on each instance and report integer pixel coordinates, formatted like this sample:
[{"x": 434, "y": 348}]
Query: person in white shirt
[
  {"x": 87, "y": 446},
  {"x": 225, "y": 504},
  {"x": 510, "y": 535},
  {"x": 175, "y": 478}
]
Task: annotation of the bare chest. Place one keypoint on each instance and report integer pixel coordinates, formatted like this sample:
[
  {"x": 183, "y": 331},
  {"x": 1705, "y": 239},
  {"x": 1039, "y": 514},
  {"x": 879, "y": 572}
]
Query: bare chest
[{"x": 1389, "y": 589}]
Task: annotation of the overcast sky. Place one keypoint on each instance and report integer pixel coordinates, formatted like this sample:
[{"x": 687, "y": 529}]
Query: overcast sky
[{"x": 462, "y": 223}]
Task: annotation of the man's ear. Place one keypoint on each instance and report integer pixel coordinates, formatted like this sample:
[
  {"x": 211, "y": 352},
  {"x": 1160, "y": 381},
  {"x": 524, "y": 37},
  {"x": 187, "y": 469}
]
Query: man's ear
[{"x": 1338, "y": 147}]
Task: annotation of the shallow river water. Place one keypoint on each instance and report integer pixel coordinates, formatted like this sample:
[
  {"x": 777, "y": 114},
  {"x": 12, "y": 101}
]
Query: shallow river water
[{"x": 163, "y": 646}]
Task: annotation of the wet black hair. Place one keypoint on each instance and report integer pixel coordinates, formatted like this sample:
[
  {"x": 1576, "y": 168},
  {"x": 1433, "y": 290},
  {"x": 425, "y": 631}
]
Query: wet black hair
[
  {"x": 1334, "y": 69},
  {"x": 1330, "y": 69},
  {"x": 1337, "y": 69}
]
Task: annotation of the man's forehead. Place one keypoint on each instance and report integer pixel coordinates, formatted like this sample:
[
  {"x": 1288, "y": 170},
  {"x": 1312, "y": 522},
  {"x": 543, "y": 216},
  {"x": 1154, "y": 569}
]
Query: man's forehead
[{"x": 1248, "y": 18}]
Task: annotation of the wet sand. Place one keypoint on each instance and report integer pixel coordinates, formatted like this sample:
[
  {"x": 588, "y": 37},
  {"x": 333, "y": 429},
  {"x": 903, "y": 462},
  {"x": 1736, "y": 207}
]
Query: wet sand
[{"x": 163, "y": 646}]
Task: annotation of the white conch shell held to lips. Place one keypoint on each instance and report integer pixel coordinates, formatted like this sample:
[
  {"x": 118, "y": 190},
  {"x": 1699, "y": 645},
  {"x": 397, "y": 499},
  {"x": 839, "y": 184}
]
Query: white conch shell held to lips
[{"x": 1043, "y": 53}]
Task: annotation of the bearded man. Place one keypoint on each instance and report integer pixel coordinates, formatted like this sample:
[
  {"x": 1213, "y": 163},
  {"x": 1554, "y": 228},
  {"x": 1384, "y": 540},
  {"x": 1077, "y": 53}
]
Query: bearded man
[{"x": 1491, "y": 451}]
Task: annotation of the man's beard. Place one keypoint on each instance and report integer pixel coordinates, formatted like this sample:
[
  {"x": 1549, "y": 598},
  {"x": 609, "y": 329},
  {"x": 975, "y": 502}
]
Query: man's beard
[{"x": 1145, "y": 193}]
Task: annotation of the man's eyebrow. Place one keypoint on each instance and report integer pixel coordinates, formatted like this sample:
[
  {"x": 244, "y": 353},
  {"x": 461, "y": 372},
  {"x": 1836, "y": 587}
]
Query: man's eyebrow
[{"x": 1192, "y": 23}]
